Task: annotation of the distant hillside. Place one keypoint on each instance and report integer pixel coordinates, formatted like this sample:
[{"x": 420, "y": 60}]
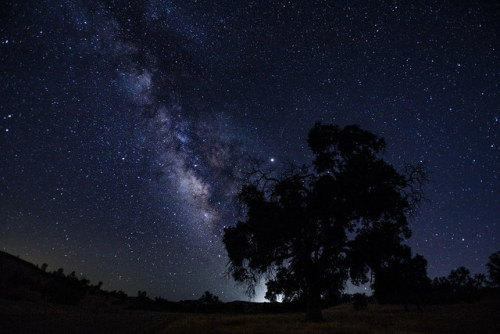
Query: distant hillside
[
  {"x": 21, "y": 280},
  {"x": 24, "y": 281}
]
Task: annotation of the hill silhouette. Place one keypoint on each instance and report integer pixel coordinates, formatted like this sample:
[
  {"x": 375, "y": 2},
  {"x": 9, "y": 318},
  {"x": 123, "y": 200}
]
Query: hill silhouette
[
  {"x": 21, "y": 280},
  {"x": 33, "y": 300}
]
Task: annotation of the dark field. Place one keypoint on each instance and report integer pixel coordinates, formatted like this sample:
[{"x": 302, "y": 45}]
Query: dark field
[{"x": 25, "y": 317}]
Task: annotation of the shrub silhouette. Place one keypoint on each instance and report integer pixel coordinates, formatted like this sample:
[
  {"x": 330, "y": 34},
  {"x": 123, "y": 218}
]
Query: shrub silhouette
[
  {"x": 458, "y": 286},
  {"x": 209, "y": 299},
  {"x": 494, "y": 269},
  {"x": 359, "y": 301}
]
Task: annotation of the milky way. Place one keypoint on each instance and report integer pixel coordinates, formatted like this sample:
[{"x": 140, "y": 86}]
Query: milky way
[{"x": 126, "y": 128}]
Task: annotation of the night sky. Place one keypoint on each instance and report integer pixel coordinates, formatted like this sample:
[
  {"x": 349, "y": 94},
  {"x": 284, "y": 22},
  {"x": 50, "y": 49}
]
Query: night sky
[{"x": 126, "y": 127}]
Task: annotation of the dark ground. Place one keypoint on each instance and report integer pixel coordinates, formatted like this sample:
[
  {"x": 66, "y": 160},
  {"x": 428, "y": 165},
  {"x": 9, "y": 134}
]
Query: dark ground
[
  {"x": 36, "y": 317},
  {"x": 28, "y": 317}
]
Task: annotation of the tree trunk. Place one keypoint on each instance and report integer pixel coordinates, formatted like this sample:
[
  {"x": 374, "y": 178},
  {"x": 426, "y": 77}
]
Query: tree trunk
[{"x": 313, "y": 307}]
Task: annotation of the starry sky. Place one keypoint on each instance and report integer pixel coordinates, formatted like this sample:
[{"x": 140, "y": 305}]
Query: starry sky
[{"x": 126, "y": 127}]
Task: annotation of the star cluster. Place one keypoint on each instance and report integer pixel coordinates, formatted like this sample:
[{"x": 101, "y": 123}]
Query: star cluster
[{"x": 126, "y": 127}]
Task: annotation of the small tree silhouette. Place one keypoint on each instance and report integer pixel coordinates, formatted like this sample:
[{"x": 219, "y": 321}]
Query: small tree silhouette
[
  {"x": 402, "y": 280},
  {"x": 479, "y": 281},
  {"x": 59, "y": 272},
  {"x": 460, "y": 278},
  {"x": 458, "y": 286},
  {"x": 209, "y": 299},
  {"x": 142, "y": 295},
  {"x": 494, "y": 269},
  {"x": 359, "y": 301}
]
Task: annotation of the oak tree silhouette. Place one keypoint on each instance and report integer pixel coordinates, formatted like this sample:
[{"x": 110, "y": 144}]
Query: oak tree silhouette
[{"x": 299, "y": 227}]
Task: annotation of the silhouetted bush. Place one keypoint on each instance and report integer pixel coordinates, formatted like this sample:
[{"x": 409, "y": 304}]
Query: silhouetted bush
[
  {"x": 62, "y": 290},
  {"x": 458, "y": 286},
  {"x": 494, "y": 269},
  {"x": 209, "y": 299},
  {"x": 359, "y": 301}
]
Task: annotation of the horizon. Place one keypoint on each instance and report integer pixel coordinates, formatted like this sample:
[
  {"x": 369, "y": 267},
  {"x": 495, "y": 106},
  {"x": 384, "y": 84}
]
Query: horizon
[{"x": 260, "y": 291}]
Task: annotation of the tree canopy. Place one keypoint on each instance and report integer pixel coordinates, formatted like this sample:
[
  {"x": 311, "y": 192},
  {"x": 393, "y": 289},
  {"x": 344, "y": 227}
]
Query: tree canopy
[
  {"x": 305, "y": 229},
  {"x": 402, "y": 279}
]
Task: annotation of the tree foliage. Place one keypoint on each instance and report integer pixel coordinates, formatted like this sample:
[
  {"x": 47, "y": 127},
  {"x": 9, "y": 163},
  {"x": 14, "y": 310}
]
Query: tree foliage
[
  {"x": 458, "y": 286},
  {"x": 402, "y": 279},
  {"x": 494, "y": 268},
  {"x": 305, "y": 228},
  {"x": 209, "y": 299}
]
